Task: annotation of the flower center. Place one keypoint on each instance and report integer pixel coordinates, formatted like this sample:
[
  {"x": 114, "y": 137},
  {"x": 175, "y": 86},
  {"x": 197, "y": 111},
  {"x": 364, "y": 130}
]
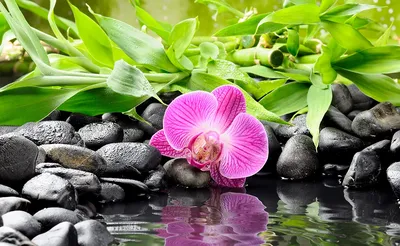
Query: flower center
[{"x": 205, "y": 149}]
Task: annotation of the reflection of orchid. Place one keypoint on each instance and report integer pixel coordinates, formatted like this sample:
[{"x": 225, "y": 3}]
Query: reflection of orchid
[
  {"x": 225, "y": 219},
  {"x": 214, "y": 132}
]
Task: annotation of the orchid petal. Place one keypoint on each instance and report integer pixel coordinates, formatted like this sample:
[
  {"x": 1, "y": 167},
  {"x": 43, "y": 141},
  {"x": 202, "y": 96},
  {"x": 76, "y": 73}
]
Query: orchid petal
[
  {"x": 245, "y": 148},
  {"x": 231, "y": 102},
  {"x": 187, "y": 116},
  {"x": 159, "y": 141},
  {"x": 223, "y": 181}
]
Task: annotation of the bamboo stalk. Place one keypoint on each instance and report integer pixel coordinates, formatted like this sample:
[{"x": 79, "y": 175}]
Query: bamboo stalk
[{"x": 257, "y": 56}]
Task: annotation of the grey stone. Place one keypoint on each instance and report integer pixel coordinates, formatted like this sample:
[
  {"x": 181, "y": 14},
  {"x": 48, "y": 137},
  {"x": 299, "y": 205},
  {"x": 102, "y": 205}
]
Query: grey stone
[
  {"x": 342, "y": 99},
  {"x": 284, "y": 132},
  {"x": 379, "y": 121},
  {"x": 121, "y": 157},
  {"x": 41, "y": 156},
  {"x": 335, "y": 170},
  {"x": 156, "y": 179},
  {"x": 13, "y": 237},
  {"x": 381, "y": 148},
  {"x": 17, "y": 158},
  {"x": 22, "y": 222},
  {"x": 336, "y": 146},
  {"x": 111, "y": 193},
  {"x": 133, "y": 134},
  {"x": 131, "y": 186},
  {"x": 360, "y": 100},
  {"x": 40, "y": 167},
  {"x": 63, "y": 234},
  {"x": 274, "y": 149},
  {"x": 84, "y": 182},
  {"x": 299, "y": 159},
  {"x": 153, "y": 114},
  {"x": 50, "y": 132},
  {"x": 80, "y": 120},
  {"x": 48, "y": 189},
  {"x": 353, "y": 114},
  {"x": 364, "y": 170},
  {"x": 7, "y": 129},
  {"x": 393, "y": 175},
  {"x": 75, "y": 157},
  {"x": 96, "y": 135},
  {"x": 395, "y": 145},
  {"x": 50, "y": 217},
  {"x": 182, "y": 173},
  {"x": 337, "y": 119},
  {"x": 7, "y": 191},
  {"x": 11, "y": 203},
  {"x": 86, "y": 209},
  {"x": 93, "y": 233}
]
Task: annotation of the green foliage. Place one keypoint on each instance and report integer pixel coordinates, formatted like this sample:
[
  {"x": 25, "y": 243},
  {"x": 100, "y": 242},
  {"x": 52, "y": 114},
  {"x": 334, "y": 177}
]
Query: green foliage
[{"x": 279, "y": 60}]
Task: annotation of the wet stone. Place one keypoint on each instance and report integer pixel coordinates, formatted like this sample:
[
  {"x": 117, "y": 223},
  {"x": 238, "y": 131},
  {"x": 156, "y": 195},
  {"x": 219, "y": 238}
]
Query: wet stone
[
  {"x": 96, "y": 135},
  {"x": 13, "y": 237},
  {"x": 93, "y": 233},
  {"x": 299, "y": 159},
  {"x": 63, "y": 234},
  {"x": 75, "y": 157},
  {"x": 50, "y": 217},
  {"x": 87, "y": 209},
  {"x": 393, "y": 175},
  {"x": 111, "y": 193},
  {"x": 133, "y": 135},
  {"x": 130, "y": 186},
  {"x": 395, "y": 145},
  {"x": 80, "y": 120},
  {"x": 274, "y": 149},
  {"x": 360, "y": 100},
  {"x": 84, "y": 182},
  {"x": 342, "y": 99},
  {"x": 353, "y": 114},
  {"x": 17, "y": 159},
  {"x": 156, "y": 179},
  {"x": 284, "y": 132},
  {"x": 153, "y": 114},
  {"x": 7, "y": 191},
  {"x": 123, "y": 158},
  {"x": 50, "y": 132},
  {"x": 184, "y": 174},
  {"x": 7, "y": 129},
  {"x": 168, "y": 97},
  {"x": 22, "y": 222},
  {"x": 335, "y": 170},
  {"x": 54, "y": 115},
  {"x": 337, "y": 119},
  {"x": 8, "y": 204},
  {"x": 50, "y": 190},
  {"x": 379, "y": 121},
  {"x": 336, "y": 146},
  {"x": 40, "y": 167}
]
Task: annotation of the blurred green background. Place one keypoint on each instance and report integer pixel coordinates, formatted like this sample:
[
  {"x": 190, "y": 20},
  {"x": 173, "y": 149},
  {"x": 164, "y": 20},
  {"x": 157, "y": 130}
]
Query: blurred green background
[{"x": 173, "y": 11}]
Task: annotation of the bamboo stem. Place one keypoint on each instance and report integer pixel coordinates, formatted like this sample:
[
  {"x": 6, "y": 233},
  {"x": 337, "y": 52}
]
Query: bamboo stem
[{"x": 257, "y": 56}]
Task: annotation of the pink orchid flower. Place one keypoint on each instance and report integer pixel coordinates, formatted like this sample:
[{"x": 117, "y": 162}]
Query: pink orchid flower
[{"x": 214, "y": 133}]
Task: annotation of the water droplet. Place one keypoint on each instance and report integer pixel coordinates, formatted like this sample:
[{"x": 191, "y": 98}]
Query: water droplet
[
  {"x": 393, "y": 28},
  {"x": 379, "y": 9},
  {"x": 387, "y": 1},
  {"x": 390, "y": 11},
  {"x": 392, "y": 19}
]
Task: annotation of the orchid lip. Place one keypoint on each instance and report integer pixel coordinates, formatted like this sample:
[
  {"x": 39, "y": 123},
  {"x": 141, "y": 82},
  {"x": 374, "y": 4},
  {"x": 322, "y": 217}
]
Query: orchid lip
[{"x": 205, "y": 149}]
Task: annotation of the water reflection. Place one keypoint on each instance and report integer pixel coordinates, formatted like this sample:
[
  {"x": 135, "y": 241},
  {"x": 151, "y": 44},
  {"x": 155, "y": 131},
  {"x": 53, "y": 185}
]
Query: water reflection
[{"x": 226, "y": 218}]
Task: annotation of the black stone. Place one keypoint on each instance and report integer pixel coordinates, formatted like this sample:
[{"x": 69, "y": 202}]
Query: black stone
[
  {"x": 133, "y": 134},
  {"x": 153, "y": 114},
  {"x": 75, "y": 157},
  {"x": 80, "y": 120},
  {"x": 11, "y": 203},
  {"x": 7, "y": 191},
  {"x": 274, "y": 149},
  {"x": 54, "y": 115},
  {"x": 353, "y": 114},
  {"x": 63, "y": 234},
  {"x": 40, "y": 167},
  {"x": 17, "y": 159},
  {"x": 337, "y": 119},
  {"x": 393, "y": 175},
  {"x": 342, "y": 98},
  {"x": 395, "y": 145},
  {"x": 87, "y": 208},
  {"x": 336, "y": 146},
  {"x": 50, "y": 217},
  {"x": 93, "y": 233},
  {"x": 22, "y": 222},
  {"x": 284, "y": 132},
  {"x": 121, "y": 157},
  {"x": 96, "y": 135},
  {"x": 50, "y": 132},
  {"x": 181, "y": 172},
  {"x": 298, "y": 159},
  {"x": 131, "y": 186},
  {"x": 111, "y": 193},
  {"x": 335, "y": 170},
  {"x": 168, "y": 97},
  {"x": 360, "y": 100},
  {"x": 84, "y": 182},
  {"x": 13, "y": 237},
  {"x": 364, "y": 170},
  {"x": 157, "y": 179},
  {"x": 380, "y": 121},
  {"x": 50, "y": 190}
]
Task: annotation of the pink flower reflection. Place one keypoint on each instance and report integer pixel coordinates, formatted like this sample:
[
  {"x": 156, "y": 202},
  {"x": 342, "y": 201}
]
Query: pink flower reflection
[{"x": 225, "y": 219}]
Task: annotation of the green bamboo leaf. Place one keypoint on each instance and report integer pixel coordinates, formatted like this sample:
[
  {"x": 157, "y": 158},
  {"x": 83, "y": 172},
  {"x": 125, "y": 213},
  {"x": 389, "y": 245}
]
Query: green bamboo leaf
[
  {"x": 326, "y": 5},
  {"x": 128, "y": 80},
  {"x": 4, "y": 27},
  {"x": 161, "y": 29},
  {"x": 287, "y": 98},
  {"x": 375, "y": 60},
  {"x": 294, "y": 15},
  {"x": 293, "y": 42},
  {"x": 139, "y": 46},
  {"x": 35, "y": 103},
  {"x": 208, "y": 82},
  {"x": 209, "y": 50},
  {"x": 377, "y": 86},
  {"x": 343, "y": 33},
  {"x": 384, "y": 39},
  {"x": 270, "y": 85},
  {"x": 262, "y": 71},
  {"x": 347, "y": 10},
  {"x": 295, "y": 74},
  {"x": 95, "y": 39},
  {"x": 323, "y": 66},
  {"x": 318, "y": 101},
  {"x": 247, "y": 27},
  {"x": 336, "y": 50},
  {"x": 6, "y": 37}
]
